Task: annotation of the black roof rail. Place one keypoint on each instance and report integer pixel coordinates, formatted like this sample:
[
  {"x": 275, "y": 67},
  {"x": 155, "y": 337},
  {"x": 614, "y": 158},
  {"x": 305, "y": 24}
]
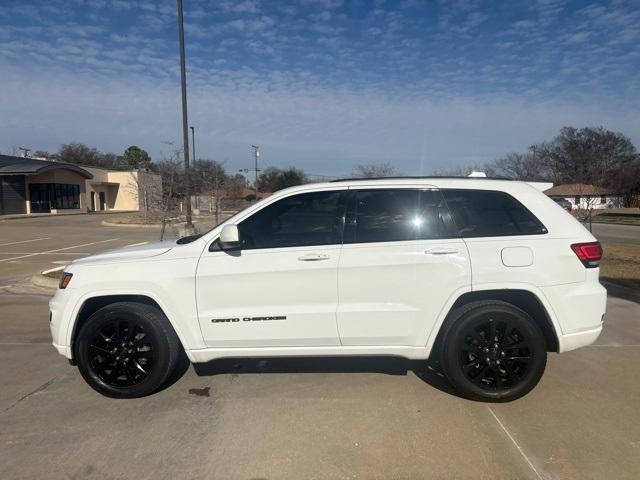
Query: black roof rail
[{"x": 417, "y": 177}]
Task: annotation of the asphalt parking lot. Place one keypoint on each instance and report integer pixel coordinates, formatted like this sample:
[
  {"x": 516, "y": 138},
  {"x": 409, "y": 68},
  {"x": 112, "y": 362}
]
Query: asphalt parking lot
[{"x": 297, "y": 418}]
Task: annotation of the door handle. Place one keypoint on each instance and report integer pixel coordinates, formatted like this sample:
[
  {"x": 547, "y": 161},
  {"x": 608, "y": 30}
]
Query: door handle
[
  {"x": 313, "y": 257},
  {"x": 441, "y": 251}
]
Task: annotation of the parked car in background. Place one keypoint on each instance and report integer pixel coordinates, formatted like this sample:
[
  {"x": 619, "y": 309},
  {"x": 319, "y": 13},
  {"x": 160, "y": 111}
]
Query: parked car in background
[{"x": 485, "y": 276}]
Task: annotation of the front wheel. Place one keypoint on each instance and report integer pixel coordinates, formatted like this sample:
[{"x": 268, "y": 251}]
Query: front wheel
[
  {"x": 126, "y": 350},
  {"x": 493, "y": 351}
]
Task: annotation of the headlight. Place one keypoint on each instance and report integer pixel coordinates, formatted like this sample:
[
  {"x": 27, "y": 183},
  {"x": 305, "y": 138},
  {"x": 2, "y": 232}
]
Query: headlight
[{"x": 65, "y": 279}]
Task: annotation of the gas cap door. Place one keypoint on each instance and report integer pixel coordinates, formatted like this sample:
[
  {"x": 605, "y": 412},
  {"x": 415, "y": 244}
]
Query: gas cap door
[{"x": 517, "y": 256}]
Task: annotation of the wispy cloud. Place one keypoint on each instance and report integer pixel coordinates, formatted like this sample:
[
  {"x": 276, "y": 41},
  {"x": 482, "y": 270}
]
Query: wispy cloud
[{"x": 421, "y": 82}]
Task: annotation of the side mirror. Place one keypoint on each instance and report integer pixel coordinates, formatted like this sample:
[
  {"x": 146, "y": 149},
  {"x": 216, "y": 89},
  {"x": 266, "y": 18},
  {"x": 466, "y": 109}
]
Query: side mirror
[{"x": 230, "y": 236}]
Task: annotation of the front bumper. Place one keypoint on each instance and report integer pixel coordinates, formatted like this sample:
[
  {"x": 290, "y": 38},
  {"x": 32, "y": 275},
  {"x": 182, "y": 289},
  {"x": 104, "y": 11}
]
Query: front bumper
[{"x": 59, "y": 321}]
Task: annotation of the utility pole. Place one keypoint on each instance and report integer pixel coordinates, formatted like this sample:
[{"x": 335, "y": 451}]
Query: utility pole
[
  {"x": 256, "y": 155},
  {"x": 255, "y": 169},
  {"x": 193, "y": 165},
  {"x": 185, "y": 130}
]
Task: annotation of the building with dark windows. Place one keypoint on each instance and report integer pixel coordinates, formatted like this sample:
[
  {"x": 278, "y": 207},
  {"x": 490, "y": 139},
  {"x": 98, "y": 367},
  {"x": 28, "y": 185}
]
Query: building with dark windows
[{"x": 29, "y": 185}]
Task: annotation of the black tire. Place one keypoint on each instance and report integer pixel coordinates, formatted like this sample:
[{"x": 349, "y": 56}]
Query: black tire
[
  {"x": 126, "y": 350},
  {"x": 493, "y": 351}
]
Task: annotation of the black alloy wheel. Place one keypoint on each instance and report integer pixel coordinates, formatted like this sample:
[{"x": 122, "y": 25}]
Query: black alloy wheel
[
  {"x": 493, "y": 351},
  {"x": 121, "y": 353},
  {"x": 126, "y": 350}
]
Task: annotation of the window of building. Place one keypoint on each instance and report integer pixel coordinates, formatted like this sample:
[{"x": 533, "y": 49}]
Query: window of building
[
  {"x": 65, "y": 196},
  {"x": 484, "y": 213},
  {"x": 299, "y": 220},
  {"x": 391, "y": 215},
  {"x": 603, "y": 199},
  {"x": 59, "y": 196},
  {"x": 577, "y": 200}
]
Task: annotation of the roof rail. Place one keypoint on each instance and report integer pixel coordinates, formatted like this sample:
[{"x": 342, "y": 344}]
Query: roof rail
[{"x": 418, "y": 177}]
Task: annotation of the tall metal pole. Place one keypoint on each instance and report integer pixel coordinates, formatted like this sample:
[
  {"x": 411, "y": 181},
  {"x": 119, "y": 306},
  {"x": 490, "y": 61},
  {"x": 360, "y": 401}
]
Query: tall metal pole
[
  {"x": 185, "y": 130},
  {"x": 256, "y": 154},
  {"x": 193, "y": 165}
]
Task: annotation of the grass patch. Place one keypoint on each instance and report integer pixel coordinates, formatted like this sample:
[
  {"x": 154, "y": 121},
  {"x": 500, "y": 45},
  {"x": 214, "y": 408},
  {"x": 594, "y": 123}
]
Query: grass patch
[
  {"x": 621, "y": 264},
  {"x": 617, "y": 219}
]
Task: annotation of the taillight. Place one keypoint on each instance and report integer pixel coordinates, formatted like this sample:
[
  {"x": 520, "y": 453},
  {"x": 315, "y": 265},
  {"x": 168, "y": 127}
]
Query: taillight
[{"x": 588, "y": 253}]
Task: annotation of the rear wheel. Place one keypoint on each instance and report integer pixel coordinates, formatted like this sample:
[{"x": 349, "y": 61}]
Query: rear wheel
[
  {"x": 126, "y": 350},
  {"x": 493, "y": 351}
]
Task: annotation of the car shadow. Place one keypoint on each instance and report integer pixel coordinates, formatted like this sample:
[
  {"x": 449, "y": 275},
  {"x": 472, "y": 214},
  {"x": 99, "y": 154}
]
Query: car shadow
[
  {"x": 620, "y": 291},
  {"x": 427, "y": 372}
]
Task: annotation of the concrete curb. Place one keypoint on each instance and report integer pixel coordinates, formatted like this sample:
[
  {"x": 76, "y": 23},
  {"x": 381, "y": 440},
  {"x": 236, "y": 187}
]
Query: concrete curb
[
  {"x": 27, "y": 216},
  {"x": 620, "y": 291},
  {"x": 129, "y": 225},
  {"x": 42, "y": 281}
]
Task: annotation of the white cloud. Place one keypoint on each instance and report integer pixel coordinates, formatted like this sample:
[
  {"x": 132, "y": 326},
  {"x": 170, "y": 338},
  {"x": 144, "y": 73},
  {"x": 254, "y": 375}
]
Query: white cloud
[{"x": 311, "y": 126}]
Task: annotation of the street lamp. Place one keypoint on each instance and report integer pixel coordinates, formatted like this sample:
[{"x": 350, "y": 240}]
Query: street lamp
[{"x": 185, "y": 130}]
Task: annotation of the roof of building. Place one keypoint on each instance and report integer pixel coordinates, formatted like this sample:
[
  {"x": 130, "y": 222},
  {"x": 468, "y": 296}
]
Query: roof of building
[
  {"x": 10, "y": 165},
  {"x": 572, "y": 189}
]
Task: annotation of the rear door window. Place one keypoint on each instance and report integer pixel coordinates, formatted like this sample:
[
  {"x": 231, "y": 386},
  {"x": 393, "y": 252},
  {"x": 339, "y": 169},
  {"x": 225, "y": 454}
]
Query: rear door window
[
  {"x": 391, "y": 215},
  {"x": 488, "y": 213}
]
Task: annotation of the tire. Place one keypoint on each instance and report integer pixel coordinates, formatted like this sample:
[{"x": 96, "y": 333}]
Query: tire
[
  {"x": 482, "y": 368},
  {"x": 127, "y": 350}
]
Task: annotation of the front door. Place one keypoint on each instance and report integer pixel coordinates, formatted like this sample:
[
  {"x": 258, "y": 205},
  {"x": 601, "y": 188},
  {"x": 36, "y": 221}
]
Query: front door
[
  {"x": 400, "y": 263},
  {"x": 279, "y": 288},
  {"x": 93, "y": 201},
  {"x": 102, "y": 201},
  {"x": 40, "y": 197}
]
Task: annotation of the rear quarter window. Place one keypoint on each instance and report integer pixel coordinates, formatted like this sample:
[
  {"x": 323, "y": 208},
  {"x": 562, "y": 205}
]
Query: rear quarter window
[{"x": 489, "y": 213}]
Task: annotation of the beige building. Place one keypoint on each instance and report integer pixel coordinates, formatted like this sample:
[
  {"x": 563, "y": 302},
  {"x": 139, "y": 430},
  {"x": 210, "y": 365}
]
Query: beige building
[{"x": 30, "y": 185}]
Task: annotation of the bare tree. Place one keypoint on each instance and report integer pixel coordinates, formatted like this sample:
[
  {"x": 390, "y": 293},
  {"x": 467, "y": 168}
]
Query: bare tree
[
  {"x": 170, "y": 171},
  {"x": 372, "y": 170}
]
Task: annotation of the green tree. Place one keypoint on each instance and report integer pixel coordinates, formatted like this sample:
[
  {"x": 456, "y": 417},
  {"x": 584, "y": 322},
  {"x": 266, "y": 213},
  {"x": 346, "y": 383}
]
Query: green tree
[
  {"x": 135, "y": 157},
  {"x": 274, "y": 179}
]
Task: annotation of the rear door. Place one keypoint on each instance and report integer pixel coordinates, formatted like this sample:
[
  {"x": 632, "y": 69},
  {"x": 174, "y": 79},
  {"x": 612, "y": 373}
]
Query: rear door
[{"x": 400, "y": 263}]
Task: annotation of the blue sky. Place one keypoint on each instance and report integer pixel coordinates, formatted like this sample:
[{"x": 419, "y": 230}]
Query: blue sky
[{"x": 319, "y": 84}]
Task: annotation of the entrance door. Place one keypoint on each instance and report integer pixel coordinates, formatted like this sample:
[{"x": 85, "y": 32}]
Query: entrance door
[
  {"x": 102, "y": 201},
  {"x": 40, "y": 197},
  {"x": 399, "y": 264},
  {"x": 93, "y": 201},
  {"x": 279, "y": 288}
]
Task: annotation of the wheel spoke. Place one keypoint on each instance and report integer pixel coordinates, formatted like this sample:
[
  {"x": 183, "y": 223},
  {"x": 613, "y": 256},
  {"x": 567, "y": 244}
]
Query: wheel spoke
[
  {"x": 100, "y": 349},
  {"x": 477, "y": 379},
  {"x": 139, "y": 367},
  {"x": 497, "y": 377}
]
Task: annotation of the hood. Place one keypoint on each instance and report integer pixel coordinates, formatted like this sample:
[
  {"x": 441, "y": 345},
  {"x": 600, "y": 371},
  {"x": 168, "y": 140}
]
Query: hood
[{"x": 134, "y": 252}]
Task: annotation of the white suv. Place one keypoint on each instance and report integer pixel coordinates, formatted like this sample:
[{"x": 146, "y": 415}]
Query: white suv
[{"x": 485, "y": 276}]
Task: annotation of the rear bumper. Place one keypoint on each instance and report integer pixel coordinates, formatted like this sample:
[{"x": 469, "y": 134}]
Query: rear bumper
[
  {"x": 579, "y": 339},
  {"x": 579, "y": 309}
]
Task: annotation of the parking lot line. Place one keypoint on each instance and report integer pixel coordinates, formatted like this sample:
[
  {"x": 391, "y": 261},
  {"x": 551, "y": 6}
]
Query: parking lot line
[
  {"x": 56, "y": 253},
  {"x": 24, "y": 241},
  {"x": 524, "y": 455},
  {"x": 58, "y": 250}
]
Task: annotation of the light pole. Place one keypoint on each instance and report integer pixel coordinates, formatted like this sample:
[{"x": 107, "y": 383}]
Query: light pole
[
  {"x": 193, "y": 165},
  {"x": 256, "y": 155},
  {"x": 185, "y": 130}
]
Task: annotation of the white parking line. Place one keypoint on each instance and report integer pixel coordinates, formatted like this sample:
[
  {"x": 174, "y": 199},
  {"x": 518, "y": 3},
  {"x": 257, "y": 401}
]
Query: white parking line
[
  {"x": 24, "y": 241},
  {"x": 524, "y": 455},
  {"x": 58, "y": 253},
  {"x": 58, "y": 250}
]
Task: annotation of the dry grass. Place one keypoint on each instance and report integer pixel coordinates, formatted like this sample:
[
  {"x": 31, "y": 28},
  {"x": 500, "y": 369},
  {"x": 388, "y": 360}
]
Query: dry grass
[{"x": 621, "y": 264}]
